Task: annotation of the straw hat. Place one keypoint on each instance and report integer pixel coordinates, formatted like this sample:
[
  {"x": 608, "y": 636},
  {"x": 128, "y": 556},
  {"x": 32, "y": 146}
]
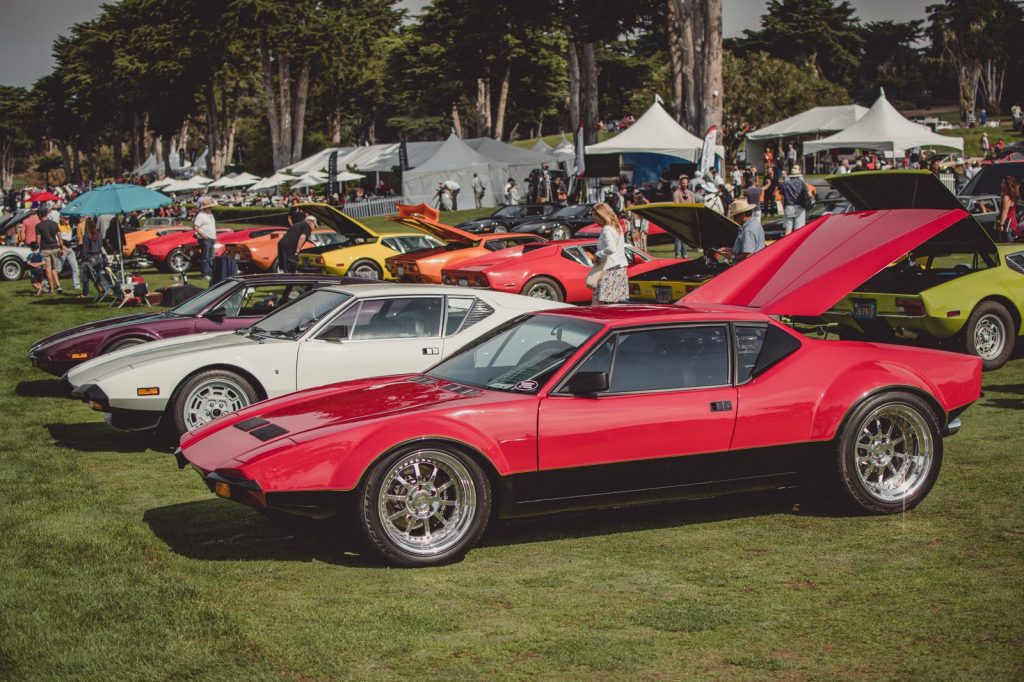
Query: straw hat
[
  {"x": 740, "y": 206},
  {"x": 206, "y": 202}
]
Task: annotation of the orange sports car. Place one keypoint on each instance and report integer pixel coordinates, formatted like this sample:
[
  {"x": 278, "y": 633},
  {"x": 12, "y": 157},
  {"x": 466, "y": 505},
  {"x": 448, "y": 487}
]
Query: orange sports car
[
  {"x": 260, "y": 253},
  {"x": 424, "y": 266}
]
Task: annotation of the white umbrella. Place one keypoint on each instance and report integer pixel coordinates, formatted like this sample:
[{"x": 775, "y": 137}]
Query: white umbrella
[
  {"x": 202, "y": 179},
  {"x": 243, "y": 180},
  {"x": 311, "y": 179},
  {"x": 345, "y": 176},
  {"x": 223, "y": 181},
  {"x": 159, "y": 184},
  {"x": 182, "y": 186}
]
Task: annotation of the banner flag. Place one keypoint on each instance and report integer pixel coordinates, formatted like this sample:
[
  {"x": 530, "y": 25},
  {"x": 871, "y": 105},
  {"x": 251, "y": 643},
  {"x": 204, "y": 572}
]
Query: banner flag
[
  {"x": 580, "y": 165},
  {"x": 332, "y": 176},
  {"x": 707, "y": 155}
]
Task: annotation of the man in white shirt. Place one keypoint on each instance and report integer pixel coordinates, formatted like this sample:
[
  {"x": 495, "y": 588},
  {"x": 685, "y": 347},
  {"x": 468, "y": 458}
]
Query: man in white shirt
[
  {"x": 511, "y": 194},
  {"x": 453, "y": 188},
  {"x": 478, "y": 190},
  {"x": 205, "y": 230}
]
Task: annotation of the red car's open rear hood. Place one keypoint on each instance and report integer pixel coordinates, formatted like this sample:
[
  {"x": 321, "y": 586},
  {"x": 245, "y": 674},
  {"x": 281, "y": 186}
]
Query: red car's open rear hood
[
  {"x": 808, "y": 271},
  {"x": 426, "y": 218}
]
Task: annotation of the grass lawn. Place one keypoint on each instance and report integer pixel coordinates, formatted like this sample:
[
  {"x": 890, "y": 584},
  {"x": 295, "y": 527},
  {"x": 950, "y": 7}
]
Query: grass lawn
[{"x": 116, "y": 565}]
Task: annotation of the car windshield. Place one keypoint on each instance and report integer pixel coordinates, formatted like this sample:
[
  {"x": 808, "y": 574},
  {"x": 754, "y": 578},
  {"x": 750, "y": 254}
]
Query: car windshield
[
  {"x": 291, "y": 320},
  {"x": 519, "y": 356},
  {"x": 570, "y": 211},
  {"x": 327, "y": 238},
  {"x": 197, "y": 303},
  {"x": 506, "y": 212}
]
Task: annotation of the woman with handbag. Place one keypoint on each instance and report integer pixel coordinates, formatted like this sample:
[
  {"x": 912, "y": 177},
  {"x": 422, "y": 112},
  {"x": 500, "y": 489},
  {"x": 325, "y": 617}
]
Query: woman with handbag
[
  {"x": 1009, "y": 195},
  {"x": 608, "y": 275}
]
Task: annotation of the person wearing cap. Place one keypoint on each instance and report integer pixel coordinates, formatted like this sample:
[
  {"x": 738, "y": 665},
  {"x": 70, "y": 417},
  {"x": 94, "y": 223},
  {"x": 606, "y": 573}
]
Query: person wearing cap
[
  {"x": 750, "y": 239},
  {"x": 205, "y": 229},
  {"x": 294, "y": 239},
  {"x": 794, "y": 198}
]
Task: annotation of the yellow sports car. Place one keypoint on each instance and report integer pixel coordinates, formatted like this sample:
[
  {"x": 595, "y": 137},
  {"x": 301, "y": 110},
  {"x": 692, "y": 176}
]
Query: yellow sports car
[
  {"x": 699, "y": 228},
  {"x": 957, "y": 288},
  {"x": 365, "y": 249}
]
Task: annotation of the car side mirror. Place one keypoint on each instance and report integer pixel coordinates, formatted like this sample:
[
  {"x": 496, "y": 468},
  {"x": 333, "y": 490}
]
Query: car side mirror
[
  {"x": 335, "y": 334},
  {"x": 587, "y": 383},
  {"x": 217, "y": 315}
]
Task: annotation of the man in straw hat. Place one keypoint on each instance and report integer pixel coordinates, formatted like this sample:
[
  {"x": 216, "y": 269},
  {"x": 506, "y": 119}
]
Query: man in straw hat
[
  {"x": 750, "y": 239},
  {"x": 205, "y": 229}
]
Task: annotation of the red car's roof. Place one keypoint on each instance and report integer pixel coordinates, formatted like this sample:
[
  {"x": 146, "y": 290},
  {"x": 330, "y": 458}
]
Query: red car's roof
[{"x": 627, "y": 314}]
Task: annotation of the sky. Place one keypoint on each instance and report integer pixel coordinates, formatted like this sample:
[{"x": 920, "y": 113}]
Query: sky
[{"x": 29, "y": 27}]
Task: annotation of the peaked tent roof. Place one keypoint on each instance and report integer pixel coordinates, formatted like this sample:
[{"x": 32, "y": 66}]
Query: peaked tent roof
[
  {"x": 452, "y": 155},
  {"x": 883, "y": 128},
  {"x": 816, "y": 120},
  {"x": 541, "y": 147},
  {"x": 655, "y": 132},
  {"x": 508, "y": 153}
]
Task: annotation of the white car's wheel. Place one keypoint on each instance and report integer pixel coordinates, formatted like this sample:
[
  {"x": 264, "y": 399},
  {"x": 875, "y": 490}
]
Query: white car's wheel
[
  {"x": 424, "y": 506},
  {"x": 365, "y": 269},
  {"x": 209, "y": 395},
  {"x": 12, "y": 269}
]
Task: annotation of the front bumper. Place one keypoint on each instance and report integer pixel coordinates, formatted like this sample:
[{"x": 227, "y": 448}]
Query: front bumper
[
  {"x": 44, "y": 362},
  {"x": 118, "y": 418}
]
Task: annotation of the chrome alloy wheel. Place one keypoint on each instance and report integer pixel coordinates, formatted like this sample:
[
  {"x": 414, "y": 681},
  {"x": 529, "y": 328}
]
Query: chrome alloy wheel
[
  {"x": 212, "y": 399},
  {"x": 178, "y": 261},
  {"x": 366, "y": 271},
  {"x": 12, "y": 269},
  {"x": 894, "y": 452},
  {"x": 543, "y": 290},
  {"x": 989, "y": 337},
  {"x": 427, "y": 502}
]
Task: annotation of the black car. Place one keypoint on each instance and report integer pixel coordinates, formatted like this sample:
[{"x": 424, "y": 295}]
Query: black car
[
  {"x": 774, "y": 227},
  {"x": 990, "y": 178},
  {"x": 560, "y": 224},
  {"x": 506, "y": 218}
]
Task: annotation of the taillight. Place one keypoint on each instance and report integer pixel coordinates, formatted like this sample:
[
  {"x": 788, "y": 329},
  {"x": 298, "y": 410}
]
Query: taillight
[
  {"x": 446, "y": 278},
  {"x": 319, "y": 260},
  {"x": 481, "y": 280},
  {"x": 413, "y": 268},
  {"x": 912, "y": 307}
]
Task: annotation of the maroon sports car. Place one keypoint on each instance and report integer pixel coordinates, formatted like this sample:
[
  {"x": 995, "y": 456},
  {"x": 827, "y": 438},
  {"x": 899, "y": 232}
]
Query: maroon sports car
[{"x": 235, "y": 303}]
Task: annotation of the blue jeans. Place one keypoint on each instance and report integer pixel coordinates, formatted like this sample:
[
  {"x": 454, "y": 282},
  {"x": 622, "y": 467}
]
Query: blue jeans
[
  {"x": 680, "y": 250},
  {"x": 206, "y": 257}
]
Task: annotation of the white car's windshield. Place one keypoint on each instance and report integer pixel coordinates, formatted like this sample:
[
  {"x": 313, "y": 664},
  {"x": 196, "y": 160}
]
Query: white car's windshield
[
  {"x": 197, "y": 303},
  {"x": 519, "y": 356},
  {"x": 291, "y": 320}
]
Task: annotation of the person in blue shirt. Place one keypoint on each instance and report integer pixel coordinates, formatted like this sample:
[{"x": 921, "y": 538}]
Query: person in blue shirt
[
  {"x": 35, "y": 262},
  {"x": 750, "y": 239}
]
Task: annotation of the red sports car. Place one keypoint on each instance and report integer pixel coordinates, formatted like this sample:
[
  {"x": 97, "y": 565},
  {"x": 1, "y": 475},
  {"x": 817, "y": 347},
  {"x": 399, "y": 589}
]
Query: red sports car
[
  {"x": 604, "y": 406},
  {"x": 234, "y": 237},
  {"x": 550, "y": 270},
  {"x": 170, "y": 252}
]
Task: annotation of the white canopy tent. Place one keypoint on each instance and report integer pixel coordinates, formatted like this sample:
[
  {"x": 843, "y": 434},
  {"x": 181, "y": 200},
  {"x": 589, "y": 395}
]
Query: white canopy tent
[
  {"x": 542, "y": 148},
  {"x": 318, "y": 161},
  {"x": 884, "y": 129},
  {"x": 160, "y": 184},
  {"x": 202, "y": 179},
  {"x": 235, "y": 181},
  {"x": 519, "y": 161},
  {"x": 456, "y": 161},
  {"x": 310, "y": 179},
  {"x": 274, "y": 181},
  {"x": 182, "y": 186},
  {"x": 655, "y": 133},
  {"x": 811, "y": 123}
]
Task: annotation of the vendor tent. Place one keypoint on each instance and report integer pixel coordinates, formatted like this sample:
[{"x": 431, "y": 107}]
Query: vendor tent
[
  {"x": 655, "y": 133},
  {"x": 519, "y": 161},
  {"x": 182, "y": 186},
  {"x": 542, "y": 148},
  {"x": 883, "y": 128},
  {"x": 809, "y": 124},
  {"x": 274, "y": 181},
  {"x": 316, "y": 162},
  {"x": 456, "y": 161},
  {"x": 310, "y": 179}
]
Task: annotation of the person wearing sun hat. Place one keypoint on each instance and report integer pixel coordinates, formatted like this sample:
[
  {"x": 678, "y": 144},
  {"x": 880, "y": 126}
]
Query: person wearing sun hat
[
  {"x": 794, "y": 198},
  {"x": 750, "y": 239},
  {"x": 205, "y": 229}
]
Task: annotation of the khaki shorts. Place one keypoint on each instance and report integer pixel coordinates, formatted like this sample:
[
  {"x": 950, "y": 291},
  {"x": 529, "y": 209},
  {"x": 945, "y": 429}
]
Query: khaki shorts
[{"x": 51, "y": 259}]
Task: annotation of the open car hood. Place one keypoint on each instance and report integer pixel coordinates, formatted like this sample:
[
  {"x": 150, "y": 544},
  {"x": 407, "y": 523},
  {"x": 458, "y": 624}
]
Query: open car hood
[
  {"x": 695, "y": 224},
  {"x": 874, "y": 190},
  {"x": 425, "y": 219},
  {"x": 808, "y": 271},
  {"x": 330, "y": 217}
]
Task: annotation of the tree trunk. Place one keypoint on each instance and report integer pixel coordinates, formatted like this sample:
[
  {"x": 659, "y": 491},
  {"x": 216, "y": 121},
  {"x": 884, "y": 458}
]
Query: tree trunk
[
  {"x": 165, "y": 149},
  {"x": 273, "y": 106},
  {"x": 483, "y": 107},
  {"x": 588, "y": 92},
  {"x": 118, "y": 152},
  {"x": 711, "y": 65},
  {"x": 214, "y": 155},
  {"x": 371, "y": 133},
  {"x": 693, "y": 78},
  {"x": 298, "y": 118},
  {"x": 676, "y": 59},
  {"x": 335, "y": 125},
  {"x": 499, "y": 119},
  {"x": 158, "y": 156},
  {"x": 456, "y": 121},
  {"x": 65, "y": 159},
  {"x": 573, "y": 62},
  {"x": 992, "y": 76}
]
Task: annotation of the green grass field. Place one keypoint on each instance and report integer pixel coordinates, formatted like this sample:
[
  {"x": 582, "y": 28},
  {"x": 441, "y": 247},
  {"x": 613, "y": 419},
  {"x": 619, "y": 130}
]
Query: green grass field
[{"x": 116, "y": 565}]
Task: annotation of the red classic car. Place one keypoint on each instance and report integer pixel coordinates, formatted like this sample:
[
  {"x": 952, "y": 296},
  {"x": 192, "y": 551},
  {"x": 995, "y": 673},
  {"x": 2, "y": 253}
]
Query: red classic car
[
  {"x": 242, "y": 236},
  {"x": 603, "y": 406},
  {"x": 234, "y": 303},
  {"x": 550, "y": 270},
  {"x": 170, "y": 252}
]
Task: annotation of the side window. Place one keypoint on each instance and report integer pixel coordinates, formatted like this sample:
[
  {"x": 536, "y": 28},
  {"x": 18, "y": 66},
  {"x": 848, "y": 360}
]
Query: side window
[
  {"x": 673, "y": 358},
  {"x": 394, "y": 243},
  {"x": 261, "y": 300},
  {"x": 749, "y": 340},
  {"x": 575, "y": 254},
  {"x": 535, "y": 210},
  {"x": 601, "y": 359},
  {"x": 340, "y": 327},
  {"x": 633, "y": 256},
  {"x": 233, "y": 303},
  {"x": 458, "y": 309},
  {"x": 398, "y": 318}
]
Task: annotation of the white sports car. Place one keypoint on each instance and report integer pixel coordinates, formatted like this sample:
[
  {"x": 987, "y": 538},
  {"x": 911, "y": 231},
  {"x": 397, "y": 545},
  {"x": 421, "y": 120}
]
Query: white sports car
[
  {"x": 328, "y": 335},
  {"x": 12, "y": 261}
]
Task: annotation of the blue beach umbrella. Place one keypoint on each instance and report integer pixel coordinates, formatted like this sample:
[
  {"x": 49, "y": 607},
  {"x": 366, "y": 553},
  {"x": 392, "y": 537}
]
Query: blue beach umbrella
[{"x": 115, "y": 198}]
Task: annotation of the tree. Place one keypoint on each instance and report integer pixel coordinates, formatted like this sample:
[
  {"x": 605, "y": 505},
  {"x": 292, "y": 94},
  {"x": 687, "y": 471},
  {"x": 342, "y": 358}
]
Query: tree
[
  {"x": 15, "y": 110},
  {"x": 761, "y": 89},
  {"x": 695, "y": 49},
  {"x": 892, "y": 60},
  {"x": 822, "y": 36}
]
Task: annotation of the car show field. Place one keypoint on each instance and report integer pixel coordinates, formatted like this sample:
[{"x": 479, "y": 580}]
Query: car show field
[{"x": 116, "y": 564}]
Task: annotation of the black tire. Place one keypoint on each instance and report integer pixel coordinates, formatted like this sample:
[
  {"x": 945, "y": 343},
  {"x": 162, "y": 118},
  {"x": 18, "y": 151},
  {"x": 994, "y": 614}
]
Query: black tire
[
  {"x": 452, "y": 498},
  {"x": 226, "y": 392},
  {"x": 545, "y": 288},
  {"x": 11, "y": 269},
  {"x": 990, "y": 334},
  {"x": 365, "y": 269},
  {"x": 897, "y": 431},
  {"x": 124, "y": 343},
  {"x": 177, "y": 261},
  {"x": 273, "y": 266}
]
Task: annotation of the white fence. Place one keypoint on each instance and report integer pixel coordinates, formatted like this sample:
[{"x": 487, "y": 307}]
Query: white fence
[
  {"x": 372, "y": 207},
  {"x": 949, "y": 180}
]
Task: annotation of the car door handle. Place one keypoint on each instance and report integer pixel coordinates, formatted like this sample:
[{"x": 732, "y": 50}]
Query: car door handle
[
  {"x": 721, "y": 406},
  {"x": 431, "y": 351}
]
